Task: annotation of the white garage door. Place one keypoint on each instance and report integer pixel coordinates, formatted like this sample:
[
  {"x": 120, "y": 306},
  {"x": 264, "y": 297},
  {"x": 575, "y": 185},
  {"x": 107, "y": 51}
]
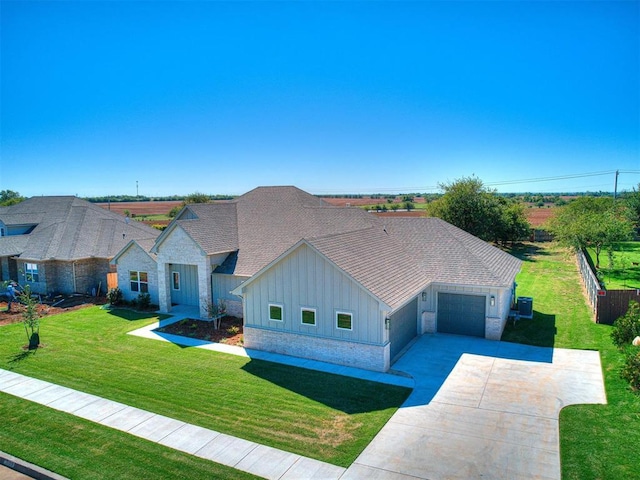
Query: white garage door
[{"x": 461, "y": 314}]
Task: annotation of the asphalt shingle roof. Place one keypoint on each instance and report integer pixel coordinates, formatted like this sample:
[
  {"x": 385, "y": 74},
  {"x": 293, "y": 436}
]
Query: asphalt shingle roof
[
  {"x": 392, "y": 257},
  {"x": 68, "y": 228}
]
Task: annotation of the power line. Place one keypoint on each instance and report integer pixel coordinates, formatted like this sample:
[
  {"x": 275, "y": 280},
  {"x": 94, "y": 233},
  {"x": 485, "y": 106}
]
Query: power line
[{"x": 497, "y": 183}]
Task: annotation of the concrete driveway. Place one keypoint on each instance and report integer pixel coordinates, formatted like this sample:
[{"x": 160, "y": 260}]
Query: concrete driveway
[{"x": 480, "y": 410}]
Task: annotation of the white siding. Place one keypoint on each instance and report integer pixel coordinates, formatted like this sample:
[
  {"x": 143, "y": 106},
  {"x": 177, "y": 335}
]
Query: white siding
[
  {"x": 305, "y": 279},
  {"x": 179, "y": 248}
]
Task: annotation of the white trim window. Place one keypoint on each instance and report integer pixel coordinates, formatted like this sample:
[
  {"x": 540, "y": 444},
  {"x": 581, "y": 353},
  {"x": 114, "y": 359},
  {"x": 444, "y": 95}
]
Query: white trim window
[
  {"x": 175, "y": 280},
  {"x": 308, "y": 316},
  {"x": 276, "y": 312},
  {"x": 139, "y": 281},
  {"x": 344, "y": 320},
  {"x": 31, "y": 272}
]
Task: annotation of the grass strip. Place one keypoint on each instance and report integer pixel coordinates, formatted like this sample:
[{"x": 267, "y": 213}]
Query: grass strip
[
  {"x": 76, "y": 448},
  {"x": 596, "y": 441}
]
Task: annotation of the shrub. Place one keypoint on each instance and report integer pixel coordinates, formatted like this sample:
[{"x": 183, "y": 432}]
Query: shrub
[
  {"x": 143, "y": 301},
  {"x": 631, "y": 369},
  {"x": 114, "y": 296},
  {"x": 627, "y": 327}
]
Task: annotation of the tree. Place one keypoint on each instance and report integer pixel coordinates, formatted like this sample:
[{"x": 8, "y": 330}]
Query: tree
[
  {"x": 513, "y": 224},
  {"x": 197, "y": 197},
  {"x": 30, "y": 318},
  {"x": 632, "y": 202},
  {"x": 591, "y": 222},
  {"x": 468, "y": 205},
  {"x": 9, "y": 197}
]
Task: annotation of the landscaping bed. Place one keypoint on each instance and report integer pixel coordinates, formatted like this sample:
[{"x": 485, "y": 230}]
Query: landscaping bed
[
  {"x": 60, "y": 305},
  {"x": 229, "y": 331}
]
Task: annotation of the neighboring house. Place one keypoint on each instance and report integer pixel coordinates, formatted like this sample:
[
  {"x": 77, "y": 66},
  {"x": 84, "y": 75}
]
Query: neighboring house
[
  {"x": 329, "y": 283},
  {"x": 63, "y": 244}
]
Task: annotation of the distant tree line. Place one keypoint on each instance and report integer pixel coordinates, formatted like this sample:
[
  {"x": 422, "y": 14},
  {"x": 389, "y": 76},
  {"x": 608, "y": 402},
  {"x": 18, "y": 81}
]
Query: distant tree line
[{"x": 143, "y": 198}]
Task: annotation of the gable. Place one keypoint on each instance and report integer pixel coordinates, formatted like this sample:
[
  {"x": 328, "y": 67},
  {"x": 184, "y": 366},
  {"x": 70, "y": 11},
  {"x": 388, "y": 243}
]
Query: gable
[{"x": 303, "y": 277}]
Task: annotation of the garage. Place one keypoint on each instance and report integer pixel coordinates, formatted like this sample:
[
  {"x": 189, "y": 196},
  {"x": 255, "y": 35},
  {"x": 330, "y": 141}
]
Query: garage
[
  {"x": 404, "y": 327},
  {"x": 461, "y": 314}
]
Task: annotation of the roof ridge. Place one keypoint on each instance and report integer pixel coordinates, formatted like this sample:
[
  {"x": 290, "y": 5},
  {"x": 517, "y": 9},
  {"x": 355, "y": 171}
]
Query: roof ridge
[{"x": 481, "y": 260}]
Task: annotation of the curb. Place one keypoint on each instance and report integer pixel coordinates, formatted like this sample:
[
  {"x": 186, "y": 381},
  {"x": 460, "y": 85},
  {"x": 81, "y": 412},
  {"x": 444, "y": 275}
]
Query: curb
[{"x": 29, "y": 469}]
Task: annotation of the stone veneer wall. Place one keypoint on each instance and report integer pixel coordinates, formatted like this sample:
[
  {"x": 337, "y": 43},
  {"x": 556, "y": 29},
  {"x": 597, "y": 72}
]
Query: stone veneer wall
[{"x": 358, "y": 355}]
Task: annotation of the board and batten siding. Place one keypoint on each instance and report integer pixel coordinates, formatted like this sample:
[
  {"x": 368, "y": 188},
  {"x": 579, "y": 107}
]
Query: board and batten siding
[{"x": 305, "y": 279}]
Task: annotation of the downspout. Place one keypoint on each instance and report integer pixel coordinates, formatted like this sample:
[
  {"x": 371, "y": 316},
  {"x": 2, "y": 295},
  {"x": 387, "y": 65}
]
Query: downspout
[{"x": 73, "y": 265}]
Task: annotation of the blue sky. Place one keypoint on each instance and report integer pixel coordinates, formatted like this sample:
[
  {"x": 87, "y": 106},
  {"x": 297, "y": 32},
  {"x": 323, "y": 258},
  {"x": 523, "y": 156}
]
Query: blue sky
[{"x": 334, "y": 97}]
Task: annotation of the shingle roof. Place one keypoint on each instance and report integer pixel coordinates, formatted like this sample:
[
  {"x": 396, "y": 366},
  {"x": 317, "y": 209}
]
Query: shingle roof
[
  {"x": 392, "y": 257},
  {"x": 376, "y": 261},
  {"x": 68, "y": 228},
  {"x": 450, "y": 254}
]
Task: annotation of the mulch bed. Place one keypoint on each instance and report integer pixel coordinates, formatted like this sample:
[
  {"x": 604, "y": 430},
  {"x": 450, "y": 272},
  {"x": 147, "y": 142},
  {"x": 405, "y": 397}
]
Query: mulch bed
[
  {"x": 230, "y": 331},
  {"x": 73, "y": 302}
]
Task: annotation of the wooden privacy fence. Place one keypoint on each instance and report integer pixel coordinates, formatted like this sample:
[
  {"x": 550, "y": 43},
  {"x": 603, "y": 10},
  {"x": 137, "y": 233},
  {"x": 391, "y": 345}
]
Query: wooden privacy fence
[
  {"x": 112, "y": 280},
  {"x": 607, "y": 305}
]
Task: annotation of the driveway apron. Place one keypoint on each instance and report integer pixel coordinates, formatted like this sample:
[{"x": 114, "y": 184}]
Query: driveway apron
[{"x": 481, "y": 409}]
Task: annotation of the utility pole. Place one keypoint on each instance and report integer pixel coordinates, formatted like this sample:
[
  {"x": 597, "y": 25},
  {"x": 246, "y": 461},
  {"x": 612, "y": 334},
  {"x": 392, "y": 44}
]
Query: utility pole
[
  {"x": 137, "y": 189},
  {"x": 615, "y": 186}
]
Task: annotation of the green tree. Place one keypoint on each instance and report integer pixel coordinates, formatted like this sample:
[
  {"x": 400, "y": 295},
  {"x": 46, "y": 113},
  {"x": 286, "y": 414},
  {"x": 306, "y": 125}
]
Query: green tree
[
  {"x": 30, "y": 317},
  {"x": 469, "y": 205},
  {"x": 197, "y": 197},
  {"x": 591, "y": 222},
  {"x": 9, "y": 197},
  {"x": 512, "y": 224},
  {"x": 632, "y": 202}
]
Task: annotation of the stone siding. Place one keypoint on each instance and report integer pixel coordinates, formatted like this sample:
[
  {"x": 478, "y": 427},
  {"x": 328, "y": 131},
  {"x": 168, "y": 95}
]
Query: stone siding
[
  {"x": 136, "y": 259},
  {"x": 179, "y": 248},
  {"x": 350, "y": 354}
]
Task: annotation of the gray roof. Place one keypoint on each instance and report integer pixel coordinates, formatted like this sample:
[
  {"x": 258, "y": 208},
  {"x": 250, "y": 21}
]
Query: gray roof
[
  {"x": 69, "y": 228},
  {"x": 376, "y": 261},
  {"x": 393, "y": 258},
  {"x": 451, "y": 255}
]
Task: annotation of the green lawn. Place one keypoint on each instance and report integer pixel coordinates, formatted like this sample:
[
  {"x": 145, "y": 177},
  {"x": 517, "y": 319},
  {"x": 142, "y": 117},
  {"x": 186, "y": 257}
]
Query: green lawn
[
  {"x": 328, "y": 417},
  {"x": 623, "y": 274},
  {"x": 77, "y": 448},
  {"x": 596, "y": 441}
]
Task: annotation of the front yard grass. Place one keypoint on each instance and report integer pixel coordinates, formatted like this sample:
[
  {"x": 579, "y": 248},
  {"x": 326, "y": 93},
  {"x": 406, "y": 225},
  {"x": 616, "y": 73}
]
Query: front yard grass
[
  {"x": 596, "y": 441},
  {"x": 77, "y": 448},
  {"x": 323, "y": 416}
]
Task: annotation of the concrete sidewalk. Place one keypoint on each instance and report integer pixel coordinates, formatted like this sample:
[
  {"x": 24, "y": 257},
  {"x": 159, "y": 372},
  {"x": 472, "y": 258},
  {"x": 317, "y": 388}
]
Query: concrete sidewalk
[{"x": 234, "y": 452}]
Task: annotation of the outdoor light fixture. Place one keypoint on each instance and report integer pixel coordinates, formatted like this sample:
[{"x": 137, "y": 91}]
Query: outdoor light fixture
[
  {"x": 387, "y": 323},
  {"x": 424, "y": 296},
  {"x": 492, "y": 300}
]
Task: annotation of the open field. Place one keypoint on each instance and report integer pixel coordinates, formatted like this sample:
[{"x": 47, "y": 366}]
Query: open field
[
  {"x": 596, "y": 441},
  {"x": 535, "y": 215}
]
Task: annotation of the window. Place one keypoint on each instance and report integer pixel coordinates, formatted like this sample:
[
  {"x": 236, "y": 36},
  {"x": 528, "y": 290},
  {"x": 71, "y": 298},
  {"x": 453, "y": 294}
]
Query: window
[
  {"x": 308, "y": 316},
  {"x": 139, "y": 282},
  {"x": 344, "y": 321},
  {"x": 275, "y": 312},
  {"x": 175, "y": 280},
  {"x": 31, "y": 272}
]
